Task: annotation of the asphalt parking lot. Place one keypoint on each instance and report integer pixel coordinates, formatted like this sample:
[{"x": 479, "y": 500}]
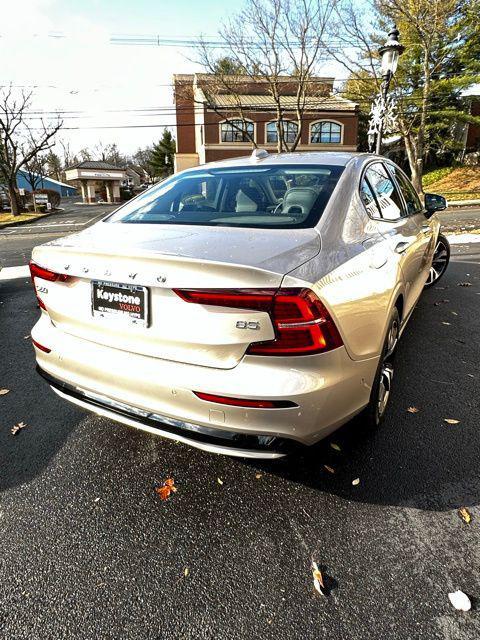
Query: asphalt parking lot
[{"x": 90, "y": 551}]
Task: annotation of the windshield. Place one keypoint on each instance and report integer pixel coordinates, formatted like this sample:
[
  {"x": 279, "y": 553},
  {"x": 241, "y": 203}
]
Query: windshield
[{"x": 265, "y": 197}]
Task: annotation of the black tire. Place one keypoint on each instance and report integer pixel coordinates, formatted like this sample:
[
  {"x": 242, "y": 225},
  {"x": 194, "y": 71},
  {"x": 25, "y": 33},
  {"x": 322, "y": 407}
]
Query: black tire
[
  {"x": 373, "y": 414},
  {"x": 441, "y": 258}
]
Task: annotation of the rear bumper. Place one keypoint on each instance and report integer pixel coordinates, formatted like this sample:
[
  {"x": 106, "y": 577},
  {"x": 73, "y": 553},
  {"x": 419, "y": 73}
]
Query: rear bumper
[
  {"x": 157, "y": 394},
  {"x": 214, "y": 440}
]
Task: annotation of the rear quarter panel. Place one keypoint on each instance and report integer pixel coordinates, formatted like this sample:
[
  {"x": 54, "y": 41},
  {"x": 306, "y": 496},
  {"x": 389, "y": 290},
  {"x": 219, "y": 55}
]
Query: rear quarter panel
[{"x": 356, "y": 274}]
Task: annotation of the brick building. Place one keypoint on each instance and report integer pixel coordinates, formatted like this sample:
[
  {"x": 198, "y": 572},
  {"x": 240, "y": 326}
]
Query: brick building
[{"x": 204, "y": 115}]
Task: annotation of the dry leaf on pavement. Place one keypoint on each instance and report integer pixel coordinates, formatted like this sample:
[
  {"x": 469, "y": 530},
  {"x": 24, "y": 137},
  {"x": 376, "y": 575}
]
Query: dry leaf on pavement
[
  {"x": 451, "y": 421},
  {"x": 186, "y": 571},
  {"x": 220, "y": 481},
  {"x": 317, "y": 579},
  {"x": 439, "y": 302},
  {"x": 258, "y": 476},
  {"x": 335, "y": 446},
  {"x": 329, "y": 469},
  {"x": 15, "y": 429},
  {"x": 356, "y": 482},
  {"x": 460, "y": 600},
  {"x": 464, "y": 284},
  {"x": 447, "y": 323},
  {"x": 465, "y": 515},
  {"x": 4, "y": 392},
  {"x": 166, "y": 489},
  {"x": 413, "y": 410}
]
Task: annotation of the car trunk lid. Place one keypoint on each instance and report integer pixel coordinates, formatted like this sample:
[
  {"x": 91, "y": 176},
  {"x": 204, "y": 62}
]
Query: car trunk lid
[{"x": 157, "y": 259}]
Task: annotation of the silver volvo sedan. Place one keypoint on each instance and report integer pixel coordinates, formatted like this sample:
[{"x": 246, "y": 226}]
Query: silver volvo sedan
[{"x": 248, "y": 307}]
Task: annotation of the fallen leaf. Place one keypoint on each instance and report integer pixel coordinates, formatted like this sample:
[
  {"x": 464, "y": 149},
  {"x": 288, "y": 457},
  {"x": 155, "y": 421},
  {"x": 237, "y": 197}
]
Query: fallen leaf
[
  {"x": 317, "y": 578},
  {"x": 167, "y": 488},
  {"x": 16, "y": 428},
  {"x": 454, "y": 313},
  {"x": 460, "y": 600},
  {"x": 470, "y": 375},
  {"x": 439, "y": 302},
  {"x": 186, "y": 571},
  {"x": 96, "y": 499},
  {"x": 448, "y": 323},
  {"x": 451, "y": 421},
  {"x": 465, "y": 515},
  {"x": 356, "y": 481},
  {"x": 4, "y": 392},
  {"x": 258, "y": 476},
  {"x": 413, "y": 410},
  {"x": 464, "y": 284},
  {"x": 329, "y": 469},
  {"x": 335, "y": 446},
  {"x": 220, "y": 481}
]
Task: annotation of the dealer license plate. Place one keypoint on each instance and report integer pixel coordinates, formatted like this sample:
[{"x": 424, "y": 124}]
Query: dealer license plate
[{"x": 122, "y": 302}]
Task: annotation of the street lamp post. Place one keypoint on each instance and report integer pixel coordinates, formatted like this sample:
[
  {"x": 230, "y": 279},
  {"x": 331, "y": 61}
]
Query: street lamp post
[{"x": 389, "y": 53}]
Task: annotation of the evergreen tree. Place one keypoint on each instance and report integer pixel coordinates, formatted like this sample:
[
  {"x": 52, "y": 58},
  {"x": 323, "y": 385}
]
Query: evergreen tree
[{"x": 161, "y": 158}]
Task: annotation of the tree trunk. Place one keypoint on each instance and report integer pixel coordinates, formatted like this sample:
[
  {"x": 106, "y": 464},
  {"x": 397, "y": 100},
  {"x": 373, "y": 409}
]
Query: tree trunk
[
  {"x": 13, "y": 196},
  {"x": 415, "y": 163}
]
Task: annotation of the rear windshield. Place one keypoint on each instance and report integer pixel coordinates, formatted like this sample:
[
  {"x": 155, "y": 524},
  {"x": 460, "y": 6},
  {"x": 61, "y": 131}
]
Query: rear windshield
[{"x": 265, "y": 197}]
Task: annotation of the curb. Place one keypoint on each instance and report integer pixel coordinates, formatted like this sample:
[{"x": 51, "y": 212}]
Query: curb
[{"x": 21, "y": 223}]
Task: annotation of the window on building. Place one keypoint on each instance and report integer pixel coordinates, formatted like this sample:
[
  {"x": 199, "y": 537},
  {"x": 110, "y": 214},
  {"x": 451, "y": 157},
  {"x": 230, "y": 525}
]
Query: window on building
[
  {"x": 326, "y": 133},
  {"x": 290, "y": 130},
  {"x": 236, "y": 131}
]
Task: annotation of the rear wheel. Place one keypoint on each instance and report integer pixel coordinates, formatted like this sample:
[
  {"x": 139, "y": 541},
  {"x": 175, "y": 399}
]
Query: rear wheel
[
  {"x": 374, "y": 412},
  {"x": 441, "y": 258}
]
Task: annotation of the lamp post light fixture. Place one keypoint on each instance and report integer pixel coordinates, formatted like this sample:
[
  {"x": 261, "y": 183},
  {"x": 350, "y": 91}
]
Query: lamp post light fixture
[{"x": 389, "y": 53}]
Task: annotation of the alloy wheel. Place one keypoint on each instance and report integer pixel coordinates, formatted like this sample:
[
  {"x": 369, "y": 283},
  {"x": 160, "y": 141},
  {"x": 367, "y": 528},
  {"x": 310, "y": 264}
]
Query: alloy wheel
[
  {"x": 384, "y": 387},
  {"x": 439, "y": 262}
]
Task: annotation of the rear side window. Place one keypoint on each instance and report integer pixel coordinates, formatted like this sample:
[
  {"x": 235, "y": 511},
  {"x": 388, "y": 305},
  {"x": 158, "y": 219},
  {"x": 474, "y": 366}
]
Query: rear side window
[
  {"x": 277, "y": 196},
  {"x": 387, "y": 196},
  {"x": 409, "y": 194}
]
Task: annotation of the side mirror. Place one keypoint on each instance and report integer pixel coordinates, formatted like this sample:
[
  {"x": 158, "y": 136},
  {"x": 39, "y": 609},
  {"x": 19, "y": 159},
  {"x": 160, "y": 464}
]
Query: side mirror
[{"x": 433, "y": 203}]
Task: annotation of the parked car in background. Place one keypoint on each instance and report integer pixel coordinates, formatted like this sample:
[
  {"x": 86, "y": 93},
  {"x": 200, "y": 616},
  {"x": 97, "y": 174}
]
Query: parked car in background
[
  {"x": 4, "y": 201},
  {"x": 248, "y": 307}
]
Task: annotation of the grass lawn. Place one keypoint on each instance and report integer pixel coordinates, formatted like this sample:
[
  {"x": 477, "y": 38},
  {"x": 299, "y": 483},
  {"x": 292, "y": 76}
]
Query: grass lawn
[
  {"x": 455, "y": 183},
  {"x": 7, "y": 218}
]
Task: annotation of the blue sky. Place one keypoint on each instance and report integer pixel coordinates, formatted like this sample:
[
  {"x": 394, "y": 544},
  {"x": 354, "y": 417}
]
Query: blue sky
[{"x": 62, "y": 49}]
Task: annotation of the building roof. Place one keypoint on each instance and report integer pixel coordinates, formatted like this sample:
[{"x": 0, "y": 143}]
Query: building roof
[
  {"x": 209, "y": 77},
  {"x": 47, "y": 178},
  {"x": 267, "y": 103},
  {"x": 95, "y": 164}
]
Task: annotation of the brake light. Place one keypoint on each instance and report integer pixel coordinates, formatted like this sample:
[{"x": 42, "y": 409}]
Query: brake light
[
  {"x": 242, "y": 402},
  {"x": 302, "y": 324},
  {"x": 36, "y": 271}
]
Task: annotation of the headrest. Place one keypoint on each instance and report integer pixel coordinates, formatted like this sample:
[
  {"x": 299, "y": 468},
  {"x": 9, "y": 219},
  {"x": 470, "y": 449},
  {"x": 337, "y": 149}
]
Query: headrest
[{"x": 299, "y": 200}]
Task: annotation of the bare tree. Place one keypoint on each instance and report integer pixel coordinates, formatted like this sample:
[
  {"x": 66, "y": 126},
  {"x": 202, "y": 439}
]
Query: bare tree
[
  {"x": 34, "y": 171},
  {"x": 276, "y": 46},
  {"x": 19, "y": 142}
]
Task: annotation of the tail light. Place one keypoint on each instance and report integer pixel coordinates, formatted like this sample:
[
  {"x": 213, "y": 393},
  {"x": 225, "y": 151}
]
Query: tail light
[
  {"x": 36, "y": 271},
  {"x": 302, "y": 324}
]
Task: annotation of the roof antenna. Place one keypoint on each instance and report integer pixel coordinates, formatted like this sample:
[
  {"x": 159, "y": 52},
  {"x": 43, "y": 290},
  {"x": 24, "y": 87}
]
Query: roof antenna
[{"x": 258, "y": 154}]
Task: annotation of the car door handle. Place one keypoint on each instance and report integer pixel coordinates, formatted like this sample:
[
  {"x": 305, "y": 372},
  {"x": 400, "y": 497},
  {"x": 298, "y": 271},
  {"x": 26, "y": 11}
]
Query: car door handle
[{"x": 402, "y": 247}]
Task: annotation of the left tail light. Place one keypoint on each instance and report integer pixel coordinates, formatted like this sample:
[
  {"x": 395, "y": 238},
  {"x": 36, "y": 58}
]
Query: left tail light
[
  {"x": 302, "y": 324},
  {"x": 36, "y": 271}
]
